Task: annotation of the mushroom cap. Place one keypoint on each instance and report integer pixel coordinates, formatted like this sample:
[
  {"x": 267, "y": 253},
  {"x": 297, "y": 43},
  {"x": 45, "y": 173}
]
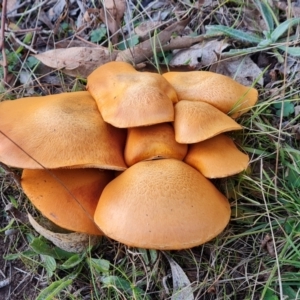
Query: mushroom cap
[
  {"x": 197, "y": 121},
  {"x": 59, "y": 131},
  {"x": 221, "y": 91},
  {"x": 162, "y": 204},
  {"x": 152, "y": 142},
  {"x": 128, "y": 98},
  {"x": 217, "y": 157},
  {"x": 67, "y": 197}
]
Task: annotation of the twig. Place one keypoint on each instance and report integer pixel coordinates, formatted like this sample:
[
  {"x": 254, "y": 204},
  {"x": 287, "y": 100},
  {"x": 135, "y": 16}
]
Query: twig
[
  {"x": 30, "y": 10},
  {"x": 2, "y": 41},
  {"x": 23, "y": 44}
]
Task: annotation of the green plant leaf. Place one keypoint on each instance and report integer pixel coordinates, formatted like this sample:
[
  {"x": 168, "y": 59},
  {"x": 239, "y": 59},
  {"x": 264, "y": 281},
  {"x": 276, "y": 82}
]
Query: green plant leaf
[
  {"x": 265, "y": 11},
  {"x": 54, "y": 289},
  {"x": 213, "y": 30},
  {"x": 50, "y": 264},
  {"x": 41, "y": 246},
  {"x": 72, "y": 262},
  {"x": 100, "y": 265},
  {"x": 98, "y": 34},
  {"x": 287, "y": 106},
  {"x": 283, "y": 27},
  {"x": 293, "y": 51},
  {"x": 131, "y": 42}
]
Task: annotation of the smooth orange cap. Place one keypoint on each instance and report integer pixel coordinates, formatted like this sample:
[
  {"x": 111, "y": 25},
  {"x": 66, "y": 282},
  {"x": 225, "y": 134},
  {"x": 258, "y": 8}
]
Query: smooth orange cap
[
  {"x": 67, "y": 197},
  {"x": 217, "y": 157},
  {"x": 162, "y": 204},
  {"x": 221, "y": 91},
  {"x": 59, "y": 131},
  {"x": 197, "y": 121},
  {"x": 152, "y": 142},
  {"x": 128, "y": 98}
]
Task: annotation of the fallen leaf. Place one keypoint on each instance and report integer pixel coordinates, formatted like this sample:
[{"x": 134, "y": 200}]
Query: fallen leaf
[
  {"x": 268, "y": 245},
  {"x": 56, "y": 10},
  {"x": 145, "y": 29},
  {"x": 76, "y": 61},
  {"x": 242, "y": 69},
  {"x": 144, "y": 50},
  {"x": 111, "y": 15},
  {"x": 182, "y": 289},
  {"x": 199, "y": 55},
  {"x": 72, "y": 242}
]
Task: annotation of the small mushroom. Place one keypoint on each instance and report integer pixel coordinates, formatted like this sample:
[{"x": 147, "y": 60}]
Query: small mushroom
[
  {"x": 217, "y": 157},
  {"x": 162, "y": 204},
  {"x": 67, "y": 197},
  {"x": 221, "y": 91},
  {"x": 152, "y": 142},
  {"x": 57, "y": 131},
  {"x": 128, "y": 98},
  {"x": 197, "y": 121}
]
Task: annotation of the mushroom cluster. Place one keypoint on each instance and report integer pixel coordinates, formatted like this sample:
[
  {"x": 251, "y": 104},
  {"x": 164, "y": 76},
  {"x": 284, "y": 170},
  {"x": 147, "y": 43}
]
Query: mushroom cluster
[{"x": 132, "y": 156}]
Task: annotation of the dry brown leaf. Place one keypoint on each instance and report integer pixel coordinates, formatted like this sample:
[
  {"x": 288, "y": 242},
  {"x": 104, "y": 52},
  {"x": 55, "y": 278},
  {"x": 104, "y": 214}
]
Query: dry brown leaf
[
  {"x": 200, "y": 55},
  {"x": 112, "y": 14},
  {"x": 56, "y": 10},
  {"x": 72, "y": 242},
  {"x": 145, "y": 29},
  {"x": 242, "y": 69},
  {"x": 144, "y": 50},
  {"x": 76, "y": 61}
]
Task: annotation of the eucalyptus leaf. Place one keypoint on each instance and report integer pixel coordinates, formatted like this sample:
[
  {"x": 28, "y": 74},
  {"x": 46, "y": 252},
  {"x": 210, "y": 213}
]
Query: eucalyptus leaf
[
  {"x": 213, "y": 30},
  {"x": 182, "y": 289},
  {"x": 283, "y": 27}
]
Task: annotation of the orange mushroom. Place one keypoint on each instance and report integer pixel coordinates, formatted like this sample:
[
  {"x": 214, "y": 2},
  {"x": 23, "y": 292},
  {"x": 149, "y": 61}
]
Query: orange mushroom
[
  {"x": 152, "y": 142},
  {"x": 67, "y": 197},
  {"x": 56, "y": 131},
  {"x": 128, "y": 98},
  {"x": 221, "y": 91},
  {"x": 162, "y": 204},
  {"x": 197, "y": 121},
  {"x": 217, "y": 157}
]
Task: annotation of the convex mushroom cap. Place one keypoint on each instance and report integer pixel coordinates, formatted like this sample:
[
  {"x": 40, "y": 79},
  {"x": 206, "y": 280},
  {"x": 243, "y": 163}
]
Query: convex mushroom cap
[
  {"x": 56, "y": 131},
  {"x": 152, "y": 142},
  {"x": 162, "y": 204},
  {"x": 197, "y": 121},
  {"x": 221, "y": 91},
  {"x": 128, "y": 98},
  {"x": 217, "y": 157},
  {"x": 67, "y": 197}
]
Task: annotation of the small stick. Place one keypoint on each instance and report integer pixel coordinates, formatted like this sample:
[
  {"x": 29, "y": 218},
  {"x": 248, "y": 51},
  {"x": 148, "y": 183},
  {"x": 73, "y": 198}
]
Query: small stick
[{"x": 2, "y": 41}]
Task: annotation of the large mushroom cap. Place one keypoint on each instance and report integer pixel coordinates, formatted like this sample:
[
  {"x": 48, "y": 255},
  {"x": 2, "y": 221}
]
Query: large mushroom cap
[
  {"x": 162, "y": 204},
  {"x": 217, "y": 157},
  {"x": 221, "y": 91},
  {"x": 64, "y": 130},
  {"x": 67, "y": 197},
  {"x": 197, "y": 121},
  {"x": 152, "y": 142},
  {"x": 128, "y": 98}
]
